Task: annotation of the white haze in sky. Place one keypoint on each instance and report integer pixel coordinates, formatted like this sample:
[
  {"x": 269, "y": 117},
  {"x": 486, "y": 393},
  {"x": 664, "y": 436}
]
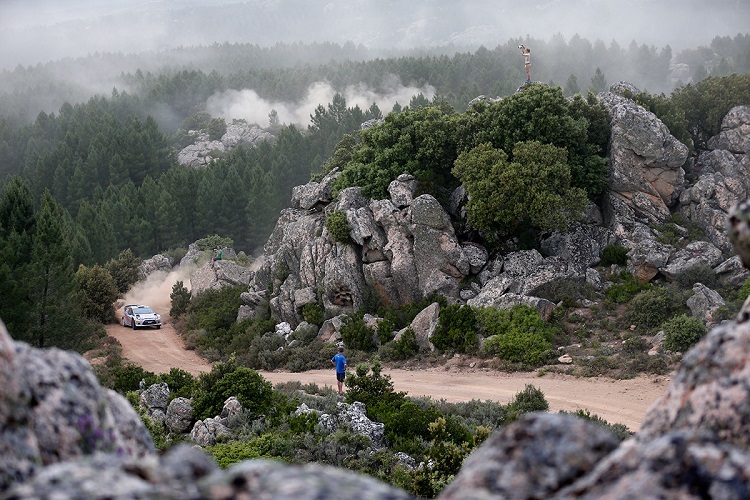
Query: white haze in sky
[
  {"x": 248, "y": 105},
  {"x": 33, "y": 31}
]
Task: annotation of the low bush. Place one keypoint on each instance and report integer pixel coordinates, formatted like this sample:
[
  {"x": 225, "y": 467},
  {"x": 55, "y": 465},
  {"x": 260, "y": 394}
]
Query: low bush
[
  {"x": 313, "y": 313},
  {"x": 625, "y": 288},
  {"x": 614, "y": 254},
  {"x": 529, "y": 400},
  {"x": 180, "y": 297},
  {"x": 338, "y": 226},
  {"x": 356, "y": 334},
  {"x": 651, "y": 308},
  {"x": 227, "y": 379},
  {"x": 456, "y": 329},
  {"x": 401, "y": 349},
  {"x": 700, "y": 273},
  {"x": 519, "y": 334},
  {"x": 682, "y": 332},
  {"x": 620, "y": 431}
]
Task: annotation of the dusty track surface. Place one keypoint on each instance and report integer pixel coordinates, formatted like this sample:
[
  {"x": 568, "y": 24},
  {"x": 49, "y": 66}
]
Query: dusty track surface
[
  {"x": 621, "y": 401},
  {"x": 616, "y": 401},
  {"x": 157, "y": 350}
]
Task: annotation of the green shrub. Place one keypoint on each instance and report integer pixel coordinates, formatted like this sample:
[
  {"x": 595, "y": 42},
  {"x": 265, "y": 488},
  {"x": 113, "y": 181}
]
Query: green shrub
[
  {"x": 700, "y": 273},
  {"x": 125, "y": 270},
  {"x": 226, "y": 380},
  {"x": 403, "y": 348},
  {"x": 180, "y": 297},
  {"x": 180, "y": 382},
  {"x": 98, "y": 292},
  {"x": 128, "y": 378},
  {"x": 614, "y": 254},
  {"x": 529, "y": 400},
  {"x": 456, "y": 329},
  {"x": 620, "y": 431},
  {"x": 338, "y": 226},
  {"x": 210, "y": 242},
  {"x": 518, "y": 335},
  {"x": 682, "y": 332},
  {"x": 356, "y": 334},
  {"x": 652, "y": 307},
  {"x": 625, "y": 288},
  {"x": 313, "y": 313}
]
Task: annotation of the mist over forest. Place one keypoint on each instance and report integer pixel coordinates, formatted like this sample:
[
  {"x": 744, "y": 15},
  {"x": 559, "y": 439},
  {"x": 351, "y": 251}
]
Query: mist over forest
[
  {"x": 52, "y": 53},
  {"x": 39, "y": 31}
]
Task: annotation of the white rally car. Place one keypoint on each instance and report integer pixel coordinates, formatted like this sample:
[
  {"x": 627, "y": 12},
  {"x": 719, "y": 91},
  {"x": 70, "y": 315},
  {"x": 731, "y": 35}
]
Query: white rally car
[{"x": 137, "y": 316}]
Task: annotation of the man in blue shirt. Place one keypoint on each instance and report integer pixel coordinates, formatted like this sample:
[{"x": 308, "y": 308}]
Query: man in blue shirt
[{"x": 340, "y": 362}]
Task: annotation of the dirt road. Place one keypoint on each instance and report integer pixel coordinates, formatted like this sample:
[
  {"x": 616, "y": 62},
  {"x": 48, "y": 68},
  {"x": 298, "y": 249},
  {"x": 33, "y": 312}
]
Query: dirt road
[{"x": 621, "y": 401}]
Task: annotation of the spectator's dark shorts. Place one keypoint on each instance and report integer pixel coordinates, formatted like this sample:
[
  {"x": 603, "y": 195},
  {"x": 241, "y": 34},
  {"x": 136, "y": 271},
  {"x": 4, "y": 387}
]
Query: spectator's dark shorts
[{"x": 340, "y": 376}]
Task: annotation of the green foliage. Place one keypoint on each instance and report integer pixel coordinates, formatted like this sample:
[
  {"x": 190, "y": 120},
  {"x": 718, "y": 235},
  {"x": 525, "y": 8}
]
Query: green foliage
[
  {"x": 529, "y": 400},
  {"x": 180, "y": 298},
  {"x": 181, "y": 383},
  {"x": 403, "y": 348},
  {"x": 216, "y": 128},
  {"x": 518, "y": 335},
  {"x": 210, "y": 242},
  {"x": 625, "y": 288},
  {"x": 614, "y": 255},
  {"x": 456, "y": 329},
  {"x": 125, "y": 269},
  {"x": 356, "y": 334},
  {"x": 338, "y": 226},
  {"x": 682, "y": 332},
  {"x": 651, "y": 308},
  {"x": 313, "y": 313},
  {"x": 620, "y": 431},
  {"x": 420, "y": 142},
  {"x": 541, "y": 113},
  {"x": 534, "y": 188},
  {"x": 98, "y": 293},
  {"x": 225, "y": 380},
  {"x": 215, "y": 312},
  {"x": 699, "y": 273}
]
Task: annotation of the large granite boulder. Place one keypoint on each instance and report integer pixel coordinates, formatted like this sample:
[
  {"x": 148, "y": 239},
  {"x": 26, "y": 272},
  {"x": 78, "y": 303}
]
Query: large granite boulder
[
  {"x": 704, "y": 302},
  {"x": 217, "y": 275},
  {"x": 400, "y": 254},
  {"x": 179, "y": 417},
  {"x": 203, "y": 151},
  {"x": 531, "y": 458},
  {"x": 724, "y": 178},
  {"x": 159, "y": 262},
  {"x": 53, "y": 409},
  {"x": 354, "y": 416},
  {"x": 735, "y": 132},
  {"x": 645, "y": 159}
]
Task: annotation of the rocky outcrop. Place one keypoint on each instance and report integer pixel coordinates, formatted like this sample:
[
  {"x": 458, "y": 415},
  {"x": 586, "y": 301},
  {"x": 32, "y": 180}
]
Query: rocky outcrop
[
  {"x": 401, "y": 250},
  {"x": 155, "y": 400},
  {"x": 531, "y": 458},
  {"x": 704, "y": 302},
  {"x": 354, "y": 416},
  {"x": 158, "y": 262},
  {"x": 203, "y": 150},
  {"x": 53, "y": 409},
  {"x": 179, "y": 416},
  {"x": 645, "y": 160},
  {"x": 724, "y": 178},
  {"x": 217, "y": 275},
  {"x": 735, "y": 132}
]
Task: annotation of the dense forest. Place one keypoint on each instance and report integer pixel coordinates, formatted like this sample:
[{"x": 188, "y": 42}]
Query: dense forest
[
  {"x": 100, "y": 176},
  {"x": 92, "y": 186}
]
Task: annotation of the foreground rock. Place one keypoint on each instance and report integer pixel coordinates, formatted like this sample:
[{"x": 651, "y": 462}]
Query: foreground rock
[{"x": 52, "y": 409}]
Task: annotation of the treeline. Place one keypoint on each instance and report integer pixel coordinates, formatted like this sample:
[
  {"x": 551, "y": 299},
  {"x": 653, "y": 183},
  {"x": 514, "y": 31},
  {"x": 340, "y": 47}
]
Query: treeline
[{"x": 179, "y": 81}]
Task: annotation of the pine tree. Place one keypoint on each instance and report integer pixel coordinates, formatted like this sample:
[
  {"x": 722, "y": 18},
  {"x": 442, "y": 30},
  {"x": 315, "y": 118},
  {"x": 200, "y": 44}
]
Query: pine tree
[{"x": 55, "y": 318}]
